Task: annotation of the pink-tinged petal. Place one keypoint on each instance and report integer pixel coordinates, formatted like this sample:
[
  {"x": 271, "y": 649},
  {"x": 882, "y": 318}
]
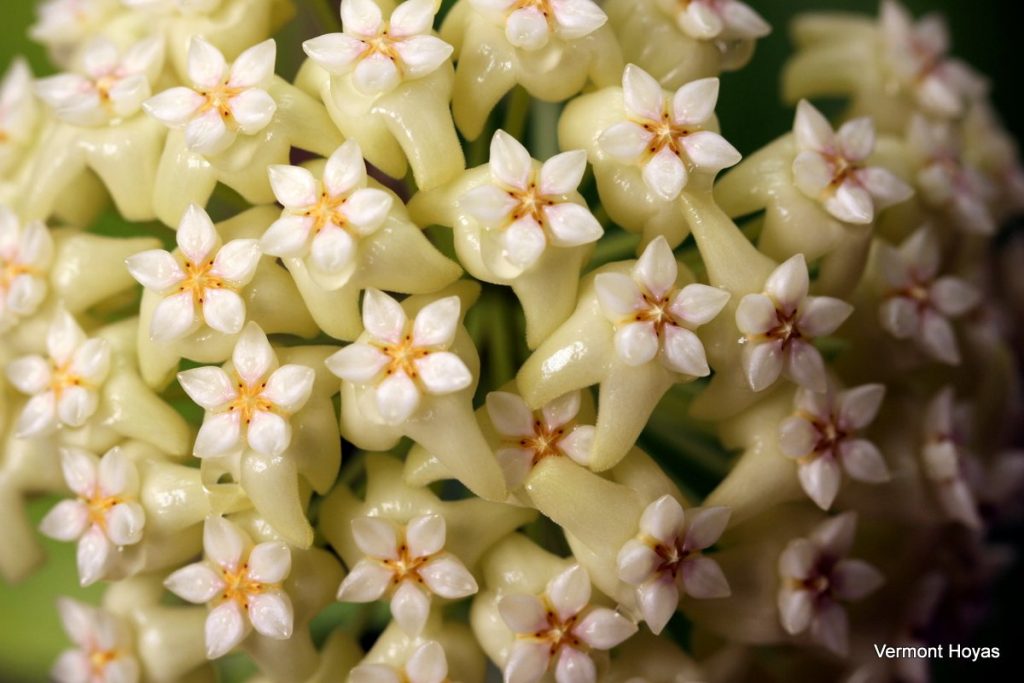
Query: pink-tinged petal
[
  {"x": 361, "y": 17},
  {"x": 63, "y": 337},
  {"x": 335, "y": 52},
  {"x": 197, "y": 583},
  {"x": 427, "y": 664},
  {"x": 637, "y": 562},
  {"x": 658, "y": 600},
  {"x": 155, "y": 269},
  {"x": 76, "y": 405},
  {"x": 436, "y": 323},
  {"x": 72, "y": 666},
  {"x": 253, "y": 110},
  {"x": 700, "y": 21},
  {"x": 374, "y": 673},
  {"x": 29, "y": 374},
  {"x": 797, "y": 437},
  {"x": 698, "y": 304},
  {"x": 756, "y": 314},
  {"x": 124, "y": 669},
  {"x": 209, "y": 386},
  {"x": 412, "y": 17},
  {"x": 569, "y": 591},
  {"x": 358, "y": 363},
  {"x": 365, "y": 583},
  {"x": 571, "y": 225},
  {"x": 796, "y": 607},
  {"x": 425, "y": 535},
  {"x": 862, "y": 461},
  {"x": 663, "y": 520},
  {"x": 603, "y": 628},
  {"x": 694, "y": 103},
  {"x": 900, "y": 317},
  {"x": 197, "y": 237},
  {"x": 812, "y": 173},
  {"x": 488, "y": 204},
  {"x": 410, "y": 606},
  {"x": 236, "y": 261},
  {"x": 376, "y": 74},
  {"x": 79, "y": 621},
  {"x": 174, "y": 107},
  {"x": 855, "y": 579},
  {"x": 376, "y": 537},
  {"x": 813, "y": 131},
  {"x": 93, "y": 556},
  {"x": 271, "y": 614},
  {"x": 665, "y": 174},
  {"x": 625, "y": 141},
  {"x": 38, "y": 417},
  {"x": 510, "y": 162},
  {"x": 822, "y": 315},
  {"x": 206, "y": 65},
  {"x": 173, "y": 318},
  {"x": 709, "y": 151},
  {"x": 856, "y": 138},
  {"x": 254, "y": 67},
  {"x": 422, "y": 55},
  {"x": 345, "y": 170},
  {"x": 958, "y": 502},
  {"x": 26, "y": 294},
  {"x": 523, "y": 613},
  {"x": 953, "y": 296},
  {"x": 81, "y": 471},
  {"x": 443, "y": 373},
  {"x": 830, "y": 627},
  {"x": 527, "y": 661},
  {"x": 820, "y": 406},
  {"x": 562, "y": 173},
  {"x": 574, "y": 666},
  {"x": 67, "y": 521},
  {"x": 618, "y": 295},
  {"x": 703, "y": 579},
  {"x": 561, "y": 410},
  {"x": 383, "y": 317},
  {"x": 223, "y": 542},
  {"x": 805, "y": 366},
  {"x": 219, "y": 434},
  {"x": 936, "y": 94},
  {"x": 398, "y": 397},
  {"x": 938, "y": 338},
  {"x": 226, "y": 627},
  {"x": 706, "y": 527},
  {"x": 366, "y": 209},
  {"x": 835, "y": 535},
  {"x": 223, "y": 310},
  {"x": 515, "y": 464},
  {"x": 921, "y": 253},
  {"x": 252, "y": 356},
  {"x": 857, "y": 407},
  {"x": 788, "y": 283},
  {"x": 509, "y": 414},
  {"x": 208, "y": 134},
  {"x": 884, "y": 186},
  {"x": 743, "y": 22},
  {"x": 332, "y": 250},
  {"x": 820, "y": 479},
  {"x": 642, "y": 94},
  {"x": 527, "y": 28},
  {"x": 287, "y": 237},
  {"x": 294, "y": 187},
  {"x": 851, "y": 203},
  {"x": 763, "y": 363},
  {"x": 683, "y": 352},
  {"x": 448, "y": 577},
  {"x": 636, "y": 343},
  {"x": 577, "y": 18},
  {"x": 289, "y": 387},
  {"x": 523, "y": 242},
  {"x": 798, "y": 560},
  {"x": 268, "y": 433},
  {"x": 125, "y": 523},
  {"x": 91, "y": 360},
  {"x": 656, "y": 269}
]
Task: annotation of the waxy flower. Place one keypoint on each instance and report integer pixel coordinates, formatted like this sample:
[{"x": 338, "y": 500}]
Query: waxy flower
[
  {"x": 664, "y": 561},
  {"x": 410, "y": 564},
  {"x": 917, "y": 302},
  {"x": 381, "y": 54},
  {"x": 653, "y": 318},
  {"x": 530, "y": 436},
  {"x": 779, "y": 325},
  {"x": 822, "y": 436},
  {"x": 222, "y": 101},
  {"x": 17, "y": 113},
  {"x": 402, "y": 360},
  {"x": 112, "y": 85},
  {"x": 716, "y": 19},
  {"x": 325, "y": 219},
  {"x": 240, "y": 583},
  {"x": 199, "y": 285},
  {"x": 561, "y": 627},
  {"x": 530, "y": 207},
  {"x": 665, "y": 136},
  {"x": 63, "y": 23},
  {"x": 944, "y": 460},
  {"x": 251, "y": 405},
  {"x": 530, "y": 24},
  {"x": 427, "y": 664},
  {"x": 63, "y": 387},
  {"x": 106, "y": 514},
  {"x": 103, "y": 646},
  {"x": 25, "y": 255},
  {"x": 816, "y": 577},
  {"x": 830, "y": 167}
]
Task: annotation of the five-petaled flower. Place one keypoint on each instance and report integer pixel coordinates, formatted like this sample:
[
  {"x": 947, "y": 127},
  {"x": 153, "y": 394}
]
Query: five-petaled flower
[
  {"x": 530, "y": 436},
  {"x": 64, "y": 387},
  {"x": 241, "y": 583},
  {"x": 103, "y": 651},
  {"x": 106, "y": 513},
  {"x": 201, "y": 284},
  {"x": 560, "y": 626},
  {"x": 530, "y": 24},
  {"x": 530, "y": 206},
  {"x": 325, "y": 219},
  {"x": 426, "y": 664},
  {"x": 664, "y": 561},
  {"x": 25, "y": 255},
  {"x": 381, "y": 54},
  {"x": 111, "y": 87},
  {"x": 724, "y": 20},
  {"x": 779, "y": 325},
  {"x": 650, "y": 315},
  {"x": 822, "y": 436},
  {"x": 917, "y": 303},
  {"x": 222, "y": 101},
  {"x": 400, "y": 359},
  {"x": 409, "y": 563},
  {"x": 665, "y": 136},
  {"x": 829, "y": 167},
  {"x": 251, "y": 404},
  {"x": 816, "y": 576},
  {"x": 944, "y": 457}
]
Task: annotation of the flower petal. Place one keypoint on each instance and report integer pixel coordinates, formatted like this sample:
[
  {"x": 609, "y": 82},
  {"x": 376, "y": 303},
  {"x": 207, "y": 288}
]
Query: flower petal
[
  {"x": 527, "y": 661},
  {"x": 383, "y": 317},
  {"x": 366, "y": 209},
  {"x": 658, "y": 600},
  {"x": 796, "y": 607},
  {"x": 665, "y": 175},
  {"x": 642, "y": 94},
  {"x": 698, "y": 304},
  {"x": 223, "y": 310},
  {"x": 38, "y": 417},
  {"x": 509, "y": 414},
  {"x": 788, "y": 283},
  {"x": 855, "y": 579},
  {"x": 436, "y": 323},
  {"x": 663, "y": 520},
  {"x": 488, "y": 204},
  {"x": 625, "y": 141},
  {"x": 822, "y": 315},
  {"x": 422, "y": 55},
  {"x": 345, "y": 169},
  {"x": 289, "y": 387},
  {"x": 30, "y": 374},
  {"x": 125, "y": 522},
  {"x": 899, "y": 316},
  {"x": 953, "y": 297},
  {"x": 448, "y": 577},
  {"x": 398, "y": 397},
  {"x": 938, "y": 338},
  {"x": 63, "y": 337},
  {"x": 357, "y": 363},
  {"x": 197, "y": 583},
  {"x": 884, "y": 186},
  {"x": 618, "y": 295},
  {"x": 226, "y": 627},
  {"x": 835, "y": 535},
  {"x": 223, "y": 542},
  {"x": 155, "y": 269},
  {"x": 425, "y": 535},
  {"x": 856, "y": 138},
  {"x": 571, "y": 225},
  {"x": 361, "y": 17},
  {"x": 76, "y": 405},
  {"x": 208, "y": 386},
  {"x": 562, "y": 173},
  {"x": 527, "y": 28},
  {"x": 208, "y": 134},
  {"x": 574, "y": 666},
  {"x": 253, "y": 110},
  {"x": 255, "y": 66},
  {"x": 428, "y": 663},
  {"x": 851, "y": 203},
  {"x": 332, "y": 250},
  {"x": 268, "y": 433},
  {"x": 287, "y": 236},
  {"x": 335, "y": 52},
  {"x": 376, "y": 537},
  {"x": 636, "y": 343},
  {"x": 174, "y": 107},
  {"x": 510, "y": 163},
  {"x": 706, "y": 527},
  {"x": 862, "y": 461},
  {"x": 522, "y": 613},
  {"x": 206, "y": 65},
  {"x": 797, "y": 437},
  {"x": 694, "y": 103},
  {"x": 805, "y": 366},
  {"x": 560, "y": 411},
  {"x": 365, "y": 583},
  {"x": 294, "y": 186},
  {"x": 763, "y": 363},
  {"x": 66, "y": 521},
  {"x": 812, "y": 173},
  {"x": 376, "y": 74},
  {"x": 709, "y": 151},
  {"x": 443, "y": 373},
  {"x": 173, "y": 318},
  {"x": 271, "y": 614},
  {"x": 93, "y": 556},
  {"x": 656, "y": 269},
  {"x": 577, "y": 18},
  {"x": 636, "y": 562},
  {"x": 703, "y": 579},
  {"x": 813, "y": 131},
  {"x": 410, "y": 606},
  {"x": 603, "y": 628},
  {"x": 830, "y": 627},
  {"x": 252, "y": 356},
  {"x": 798, "y": 559},
  {"x": 197, "y": 237},
  {"x": 683, "y": 352},
  {"x": 569, "y": 592}
]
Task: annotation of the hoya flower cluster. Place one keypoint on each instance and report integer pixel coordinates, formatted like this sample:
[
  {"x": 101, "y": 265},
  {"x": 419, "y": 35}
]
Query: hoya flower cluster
[{"x": 477, "y": 352}]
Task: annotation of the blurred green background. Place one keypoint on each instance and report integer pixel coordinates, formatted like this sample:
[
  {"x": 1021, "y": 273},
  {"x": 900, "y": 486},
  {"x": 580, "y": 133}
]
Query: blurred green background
[{"x": 985, "y": 34}]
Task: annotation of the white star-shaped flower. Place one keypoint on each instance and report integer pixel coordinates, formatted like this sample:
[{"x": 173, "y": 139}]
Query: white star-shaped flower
[
  {"x": 408, "y": 563},
  {"x": 222, "y": 101},
  {"x": 381, "y": 54},
  {"x": 530, "y": 24},
  {"x": 779, "y": 325},
  {"x": 402, "y": 360},
  {"x": 200, "y": 284},
  {"x": 26, "y": 252},
  {"x": 240, "y": 583},
  {"x": 665, "y": 136},
  {"x": 17, "y": 113},
  {"x": 252, "y": 404},
  {"x": 822, "y": 436},
  {"x": 426, "y": 664},
  {"x": 530, "y": 436},
  {"x": 66, "y": 22},
  {"x": 829, "y": 167},
  {"x": 529, "y": 206},
  {"x": 325, "y": 219},
  {"x": 945, "y": 458},
  {"x": 111, "y": 87},
  {"x": 103, "y": 647},
  {"x": 724, "y": 20},
  {"x": 653, "y": 318},
  {"x": 64, "y": 387},
  {"x": 917, "y": 302},
  {"x": 560, "y": 626},
  {"x": 816, "y": 577},
  {"x": 664, "y": 561},
  {"x": 106, "y": 514}
]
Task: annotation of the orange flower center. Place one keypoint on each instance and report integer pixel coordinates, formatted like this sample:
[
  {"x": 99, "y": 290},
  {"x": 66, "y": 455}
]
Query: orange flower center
[{"x": 250, "y": 400}]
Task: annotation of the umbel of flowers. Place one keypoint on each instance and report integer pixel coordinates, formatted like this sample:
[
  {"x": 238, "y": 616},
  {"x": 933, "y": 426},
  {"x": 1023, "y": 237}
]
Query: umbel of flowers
[{"x": 476, "y": 351}]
